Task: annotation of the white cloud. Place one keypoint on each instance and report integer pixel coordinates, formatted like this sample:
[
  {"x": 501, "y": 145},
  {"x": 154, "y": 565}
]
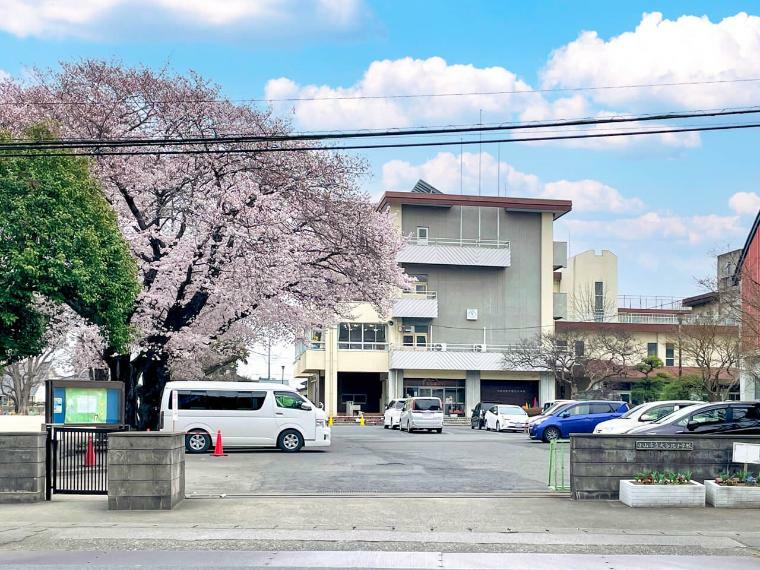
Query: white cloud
[
  {"x": 362, "y": 105},
  {"x": 406, "y": 76},
  {"x": 590, "y": 196},
  {"x": 90, "y": 18},
  {"x": 654, "y": 225},
  {"x": 745, "y": 203},
  {"x": 443, "y": 172},
  {"x": 659, "y": 50}
]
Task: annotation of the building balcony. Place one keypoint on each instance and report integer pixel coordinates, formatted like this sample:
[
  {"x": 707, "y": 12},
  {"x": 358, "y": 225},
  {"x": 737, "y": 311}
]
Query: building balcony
[
  {"x": 683, "y": 318},
  {"x": 310, "y": 358},
  {"x": 456, "y": 251},
  {"x": 422, "y": 305},
  {"x": 560, "y": 254},
  {"x": 446, "y": 356}
]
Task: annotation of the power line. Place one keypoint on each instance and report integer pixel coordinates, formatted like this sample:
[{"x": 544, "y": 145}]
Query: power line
[
  {"x": 237, "y": 139},
  {"x": 97, "y": 152},
  {"x": 407, "y": 95}
]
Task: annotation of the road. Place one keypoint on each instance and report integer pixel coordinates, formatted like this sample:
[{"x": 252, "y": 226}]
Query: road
[{"x": 374, "y": 460}]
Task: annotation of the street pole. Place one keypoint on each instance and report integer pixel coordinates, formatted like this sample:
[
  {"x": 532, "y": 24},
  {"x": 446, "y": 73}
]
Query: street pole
[
  {"x": 282, "y": 375},
  {"x": 680, "y": 367},
  {"x": 269, "y": 360}
]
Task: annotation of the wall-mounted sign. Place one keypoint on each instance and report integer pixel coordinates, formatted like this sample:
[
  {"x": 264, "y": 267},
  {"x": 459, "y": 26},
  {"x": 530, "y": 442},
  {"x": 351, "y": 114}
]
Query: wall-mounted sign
[
  {"x": 472, "y": 314},
  {"x": 746, "y": 452},
  {"x": 84, "y": 402},
  {"x": 665, "y": 445}
]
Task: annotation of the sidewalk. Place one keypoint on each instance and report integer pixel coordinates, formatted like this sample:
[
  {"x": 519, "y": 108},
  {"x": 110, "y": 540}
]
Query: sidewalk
[{"x": 516, "y": 525}]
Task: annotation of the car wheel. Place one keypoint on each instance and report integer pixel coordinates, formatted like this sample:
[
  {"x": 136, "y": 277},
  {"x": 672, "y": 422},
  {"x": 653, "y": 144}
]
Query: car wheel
[
  {"x": 409, "y": 428},
  {"x": 551, "y": 433},
  {"x": 290, "y": 441},
  {"x": 386, "y": 426},
  {"x": 497, "y": 427},
  {"x": 439, "y": 430},
  {"x": 480, "y": 425},
  {"x": 197, "y": 442},
  {"x": 472, "y": 425}
]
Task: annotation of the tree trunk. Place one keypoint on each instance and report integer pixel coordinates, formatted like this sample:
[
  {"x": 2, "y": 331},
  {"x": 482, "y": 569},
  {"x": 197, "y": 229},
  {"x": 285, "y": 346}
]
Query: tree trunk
[{"x": 142, "y": 402}]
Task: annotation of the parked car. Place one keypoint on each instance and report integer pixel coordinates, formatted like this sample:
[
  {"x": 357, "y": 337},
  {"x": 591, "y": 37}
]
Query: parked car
[
  {"x": 643, "y": 413},
  {"x": 579, "y": 417},
  {"x": 557, "y": 406},
  {"x": 248, "y": 414},
  {"x": 392, "y": 415},
  {"x": 422, "y": 413},
  {"x": 478, "y": 418},
  {"x": 506, "y": 417},
  {"x": 550, "y": 405},
  {"x": 717, "y": 418}
]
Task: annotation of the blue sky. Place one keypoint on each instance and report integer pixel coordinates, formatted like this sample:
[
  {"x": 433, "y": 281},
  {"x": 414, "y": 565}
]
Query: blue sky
[{"x": 664, "y": 206}]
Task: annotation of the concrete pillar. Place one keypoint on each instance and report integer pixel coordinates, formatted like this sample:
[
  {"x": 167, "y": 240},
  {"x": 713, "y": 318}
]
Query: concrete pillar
[
  {"x": 22, "y": 467},
  {"x": 471, "y": 391},
  {"x": 546, "y": 388},
  {"x": 146, "y": 470},
  {"x": 331, "y": 371}
]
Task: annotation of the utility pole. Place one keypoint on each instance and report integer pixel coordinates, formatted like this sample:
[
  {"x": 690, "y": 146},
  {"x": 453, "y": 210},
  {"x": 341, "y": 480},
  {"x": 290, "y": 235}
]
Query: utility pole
[
  {"x": 282, "y": 375},
  {"x": 269, "y": 360},
  {"x": 680, "y": 366}
]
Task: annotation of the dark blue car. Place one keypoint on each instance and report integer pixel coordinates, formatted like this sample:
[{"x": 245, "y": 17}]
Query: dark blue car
[{"x": 580, "y": 417}]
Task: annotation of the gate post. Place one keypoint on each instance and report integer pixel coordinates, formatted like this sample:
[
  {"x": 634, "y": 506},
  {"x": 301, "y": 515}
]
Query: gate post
[
  {"x": 22, "y": 467},
  {"x": 146, "y": 470}
]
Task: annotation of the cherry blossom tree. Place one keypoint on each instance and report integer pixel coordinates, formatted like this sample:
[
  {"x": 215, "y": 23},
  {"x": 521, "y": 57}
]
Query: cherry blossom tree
[{"x": 228, "y": 242}]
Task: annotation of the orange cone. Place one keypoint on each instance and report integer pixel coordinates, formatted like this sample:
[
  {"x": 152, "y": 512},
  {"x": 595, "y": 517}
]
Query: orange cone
[
  {"x": 218, "y": 449},
  {"x": 89, "y": 456}
]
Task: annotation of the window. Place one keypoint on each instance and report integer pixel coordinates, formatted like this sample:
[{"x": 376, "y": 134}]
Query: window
[
  {"x": 361, "y": 336},
  {"x": 598, "y": 301},
  {"x": 579, "y": 410},
  {"x": 670, "y": 352},
  {"x": 420, "y": 283},
  {"x": 651, "y": 349},
  {"x": 601, "y": 408},
  {"x": 712, "y": 416},
  {"x": 658, "y": 413},
  {"x": 289, "y": 400},
  {"x": 422, "y": 235},
  {"x": 580, "y": 348},
  {"x": 355, "y": 398},
  {"x": 561, "y": 345},
  {"x": 416, "y": 335},
  {"x": 219, "y": 400},
  {"x": 427, "y": 404}
]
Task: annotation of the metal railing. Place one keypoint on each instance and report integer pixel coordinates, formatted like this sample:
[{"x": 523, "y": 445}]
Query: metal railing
[
  {"x": 462, "y": 242},
  {"x": 366, "y": 345},
  {"x": 558, "y": 475},
  {"x": 456, "y": 347},
  {"x": 674, "y": 319},
  {"x": 650, "y": 302},
  {"x": 422, "y": 295}
]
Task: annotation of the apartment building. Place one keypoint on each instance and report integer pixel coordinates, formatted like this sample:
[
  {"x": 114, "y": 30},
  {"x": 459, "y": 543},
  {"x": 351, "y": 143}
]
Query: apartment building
[
  {"x": 657, "y": 324},
  {"x": 483, "y": 270}
]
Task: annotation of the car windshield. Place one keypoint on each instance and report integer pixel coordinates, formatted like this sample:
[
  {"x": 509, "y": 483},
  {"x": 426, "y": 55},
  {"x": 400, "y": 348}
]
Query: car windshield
[
  {"x": 554, "y": 410},
  {"x": 632, "y": 411},
  {"x": 511, "y": 411},
  {"x": 399, "y": 404},
  {"x": 675, "y": 416},
  {"x": 427, "y": 404}
]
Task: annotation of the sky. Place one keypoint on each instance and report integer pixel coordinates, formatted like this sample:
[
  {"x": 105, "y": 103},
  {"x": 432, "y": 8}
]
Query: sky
[{"x": 665, "y": 204}]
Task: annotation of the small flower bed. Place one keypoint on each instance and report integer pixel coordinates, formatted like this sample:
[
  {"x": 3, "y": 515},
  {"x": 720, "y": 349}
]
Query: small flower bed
[
  {"x": 662, "y": 478},
  {"x": 737, "y": 479}
]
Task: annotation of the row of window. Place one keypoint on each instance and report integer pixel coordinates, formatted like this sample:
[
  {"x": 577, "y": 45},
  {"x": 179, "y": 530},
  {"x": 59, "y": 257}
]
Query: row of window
[
  {"x": 230, "y": 400},
  {"x": 670, "y": 352},
  {"x": 361, "y": 336}
]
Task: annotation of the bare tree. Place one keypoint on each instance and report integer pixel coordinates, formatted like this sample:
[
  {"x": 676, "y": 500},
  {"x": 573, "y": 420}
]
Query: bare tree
[
  {"x": 585, "y": 305},
  {"x": 579, "y": 361},
  {"x": 21, "y": 380},
  {"x": 714, "y": 349}
]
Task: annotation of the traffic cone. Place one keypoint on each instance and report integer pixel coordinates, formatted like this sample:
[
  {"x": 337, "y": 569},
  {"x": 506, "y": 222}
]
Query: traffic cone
[
  {"x": 218, "y": 449},
  {"x": 330, "y": 421},
  {"x": 361, "y": 420},
  {"x": 89, "y": 456}
]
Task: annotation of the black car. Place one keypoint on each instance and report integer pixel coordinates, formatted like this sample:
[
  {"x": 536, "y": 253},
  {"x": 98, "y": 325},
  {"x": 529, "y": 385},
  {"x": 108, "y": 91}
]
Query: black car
[
  {"x": 478, "y": 419},
  {"x": 717, "y": 418}
]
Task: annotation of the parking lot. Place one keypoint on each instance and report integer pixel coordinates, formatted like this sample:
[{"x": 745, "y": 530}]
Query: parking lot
[{"x": 373, "y": 460}]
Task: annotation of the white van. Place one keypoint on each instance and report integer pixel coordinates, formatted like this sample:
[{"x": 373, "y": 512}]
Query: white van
[
  {"x": 422, "y": 413},
  {"x": 248, "y": 414}
]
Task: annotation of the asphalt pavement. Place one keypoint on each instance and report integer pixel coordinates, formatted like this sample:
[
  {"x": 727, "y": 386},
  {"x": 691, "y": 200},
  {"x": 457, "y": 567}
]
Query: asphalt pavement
[{"x": 374, "y": 460}]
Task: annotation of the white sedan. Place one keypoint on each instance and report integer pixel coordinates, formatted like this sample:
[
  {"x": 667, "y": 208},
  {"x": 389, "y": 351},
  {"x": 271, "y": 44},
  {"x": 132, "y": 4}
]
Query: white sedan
[
  {"x": 392, "y": 415},
  {"x": 641, "y": 415},
  {"x": 505, "y": 417}
]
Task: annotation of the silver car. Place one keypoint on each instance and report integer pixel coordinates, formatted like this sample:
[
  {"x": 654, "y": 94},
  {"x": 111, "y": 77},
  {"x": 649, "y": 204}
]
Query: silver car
[{"x": 422, "y": 413}]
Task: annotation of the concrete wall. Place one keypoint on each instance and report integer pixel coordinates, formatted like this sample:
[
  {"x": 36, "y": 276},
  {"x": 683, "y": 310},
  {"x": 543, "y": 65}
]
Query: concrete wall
[
  {"x": 146, "y": 470},
  {"x": 22, "y": 467},
  {"x": 18, "y": 424},
  {"x": 509, "y": 298},
  {"x": 599, "y": 462},
  {"x": 578, "y": 279}
]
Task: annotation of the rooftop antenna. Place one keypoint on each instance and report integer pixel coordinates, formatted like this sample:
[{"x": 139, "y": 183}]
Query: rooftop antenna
[
  {"x": 480, "y": 152},
  {"x": 498, "y": 169},
  {"x": 461, "y": 165}
]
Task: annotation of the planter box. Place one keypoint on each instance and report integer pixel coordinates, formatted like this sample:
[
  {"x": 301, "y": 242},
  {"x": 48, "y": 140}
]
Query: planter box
[
  {"x": 732, "y": 497},
  {"x": 690, "y": 495}
]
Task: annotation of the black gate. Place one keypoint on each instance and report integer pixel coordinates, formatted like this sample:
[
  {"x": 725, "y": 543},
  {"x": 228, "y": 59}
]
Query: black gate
[{"x": 77, "y": 460}]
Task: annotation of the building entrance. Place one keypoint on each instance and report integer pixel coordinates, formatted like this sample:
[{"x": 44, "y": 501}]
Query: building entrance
[{"x": 451, "y": 393}]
